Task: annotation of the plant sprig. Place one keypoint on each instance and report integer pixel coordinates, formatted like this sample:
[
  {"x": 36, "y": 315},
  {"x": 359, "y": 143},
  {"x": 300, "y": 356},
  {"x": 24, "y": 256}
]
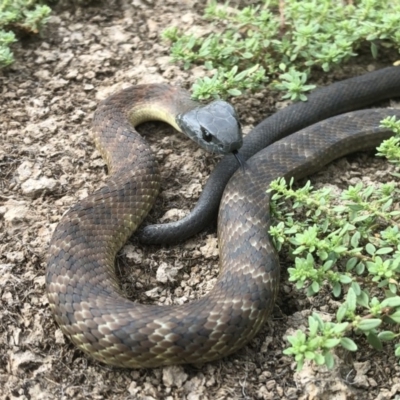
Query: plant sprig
[
  {"x": 27, "y": 15},
  {"x": 352, "y": 247},
  {"x": 285, "y": 46}
]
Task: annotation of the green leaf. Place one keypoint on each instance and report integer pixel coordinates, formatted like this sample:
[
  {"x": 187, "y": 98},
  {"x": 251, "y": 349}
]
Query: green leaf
[
  {"x": 340, "y": 249},
  {"x": 395, "y": 316},
  {"x": 320, "y": 321},
  {"x": 393, "y": 288},
  {"x": 384, "y": 250},
  {"x": 351, "y": 263},
  {"x": 340, "y": 328},
  {"x": 356, "y": 287},
  {"x": 282, "y": 67},
  {"x": 341, "y": 312},
  {"x": 360, "y": 268},
  {"x": 360, "y": 218},
  {"x": 327, "y": 265},
  {"x": 330, "y": 343},
  {"x": 391, "y": 302},
  {"x": 351, "y": 300},
  {"x": 300, "y": 363},
  {"x": 310, "y": 291},
  {"x": 374, "y": 50},
  {"x": 370, "y": 248},
  {"x": 355, "y": 239},
  {"x": 319, "y": 359},
  {"x": 374, "y": 341},
  {"x": 337, "y": 289},
  {"x": 247, "y": 55},
  {"x": 315, "y": 287},
  {"x": 313, "y": 326},
  {"x": 329, "y": 360},
  {"x": 348, "y": 344},
  {"x": 363, "y": 299},
  {"x": 369, "y": 324},
  {"x": 386, "y": 335},
  {"x": 234, "y": 92},
  {"x": 289, "y": 351},
  {"x": 345, "y": 279},
  {"x": 309, "y": 355}
]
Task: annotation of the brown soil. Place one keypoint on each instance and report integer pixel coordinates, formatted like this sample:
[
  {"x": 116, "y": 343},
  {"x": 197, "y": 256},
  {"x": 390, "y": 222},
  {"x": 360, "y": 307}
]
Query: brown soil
[{"x": 48, "y": 163}]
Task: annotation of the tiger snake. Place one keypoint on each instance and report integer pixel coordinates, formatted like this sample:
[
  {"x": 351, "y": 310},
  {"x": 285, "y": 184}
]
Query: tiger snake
[{"x": 83, "y": 290}]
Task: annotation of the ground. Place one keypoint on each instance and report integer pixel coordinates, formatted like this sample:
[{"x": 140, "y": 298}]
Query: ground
[{"x": 48, "y": 163}]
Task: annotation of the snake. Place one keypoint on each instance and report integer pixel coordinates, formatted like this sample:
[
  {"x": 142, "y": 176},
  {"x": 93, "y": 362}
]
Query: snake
[{"x": 83, "y": 290}]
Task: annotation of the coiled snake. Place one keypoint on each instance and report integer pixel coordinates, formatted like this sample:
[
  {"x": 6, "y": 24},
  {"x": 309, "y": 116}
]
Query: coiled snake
[{"x": 83, "y": 291}]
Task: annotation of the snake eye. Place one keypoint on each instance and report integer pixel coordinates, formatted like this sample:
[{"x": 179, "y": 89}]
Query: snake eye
[{"x": 206, "y": 134}]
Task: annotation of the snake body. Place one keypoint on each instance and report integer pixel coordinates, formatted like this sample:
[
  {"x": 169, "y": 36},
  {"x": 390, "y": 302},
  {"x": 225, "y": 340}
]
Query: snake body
[
  {"x": 83, "y": 291},
  {"x": 340, "y": 97}
]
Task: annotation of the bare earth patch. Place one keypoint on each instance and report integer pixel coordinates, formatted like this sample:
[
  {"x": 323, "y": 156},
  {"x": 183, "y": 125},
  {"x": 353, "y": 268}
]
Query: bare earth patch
[{"x": 48, "y": 162}]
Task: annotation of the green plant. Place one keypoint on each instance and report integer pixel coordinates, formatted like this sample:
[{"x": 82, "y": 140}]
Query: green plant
[
  {"x": 351, "y": 247},
  {"x": 25, "y": 15},
  {"x": 284, "y": 45}
]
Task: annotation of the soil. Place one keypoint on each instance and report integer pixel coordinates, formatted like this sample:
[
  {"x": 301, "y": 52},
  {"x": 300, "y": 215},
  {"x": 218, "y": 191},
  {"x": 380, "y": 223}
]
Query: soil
[{"x": 48, "y": 163}]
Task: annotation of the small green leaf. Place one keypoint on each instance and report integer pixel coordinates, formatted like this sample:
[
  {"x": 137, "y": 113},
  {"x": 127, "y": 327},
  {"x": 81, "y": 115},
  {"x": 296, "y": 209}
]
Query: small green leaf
[
  {"x": 309, "y": 355},
  {"x": 340, "y": 328},
  {"x": 363, "y": 299},
  {"x": 340, "y": 249},
  {"x": 345, "y": 279},
  {"x": 369, "y": 324},
  {"x": 395, "y": 316},
  {"x": 393, "y": 288},
  {"x": 234, "y": 92},
  {"x": 300, "y": 363},
  {"x": 356, "y": 287},
  {"x": 341, "y": 312},
  {"x": 386, "y": 335},
  {"x": 320, "y": 321},
  {"x": 351, "y": 300},
  {"x": 337, "y": 289},
  {"x": 315, "y": 287},
  {"x": 360, "y": 268},
  {"x": 348, "y": 344},
  {"x": 329, "y": 360},
  {"x": 370, "y": 248},
  {"x": 330, "y": 343},
  {"x": 360, "y": 218},
  {"x": 351, "y": 263},
  {"x": 289, "y": 351},
  {"x": 374, "y": 341},
  {"x": 247, "y": 55},
  {"x": 354, "y": 242},
  {"x": 384, "y": 250},
  {"x": 391, "y": 302},
  {"x": 374, "y": 50},
  {"x": 319, "y": 359},
  {"x": 313, "y": 326}
]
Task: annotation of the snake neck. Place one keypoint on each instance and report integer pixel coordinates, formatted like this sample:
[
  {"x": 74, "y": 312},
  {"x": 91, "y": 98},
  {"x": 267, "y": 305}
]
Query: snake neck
[
  {"x": 160, "y": 103},
  {"x": 150, "y": 112},
  {"x": 119, "y": 114}
]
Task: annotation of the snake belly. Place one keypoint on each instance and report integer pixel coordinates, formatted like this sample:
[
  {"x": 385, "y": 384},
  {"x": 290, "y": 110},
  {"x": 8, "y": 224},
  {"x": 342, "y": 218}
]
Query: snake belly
[{"x": 83, "y": 291}]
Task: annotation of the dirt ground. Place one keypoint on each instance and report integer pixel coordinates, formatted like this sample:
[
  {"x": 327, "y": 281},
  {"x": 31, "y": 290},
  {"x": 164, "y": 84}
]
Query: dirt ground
[{"x": 48, "y": 162}]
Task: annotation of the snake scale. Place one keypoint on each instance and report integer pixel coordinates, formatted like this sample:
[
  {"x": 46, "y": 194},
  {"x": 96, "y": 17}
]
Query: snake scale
[{"x": 83, "y": 291}]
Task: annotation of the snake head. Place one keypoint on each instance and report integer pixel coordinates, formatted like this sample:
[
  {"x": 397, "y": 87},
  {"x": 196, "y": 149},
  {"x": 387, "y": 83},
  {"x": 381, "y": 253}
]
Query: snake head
[{"x": 215, "y": 127}]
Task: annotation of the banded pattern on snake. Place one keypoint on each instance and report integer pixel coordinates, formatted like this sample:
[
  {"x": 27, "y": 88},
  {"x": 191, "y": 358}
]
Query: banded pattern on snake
[{"x": 82, "y": 287}]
